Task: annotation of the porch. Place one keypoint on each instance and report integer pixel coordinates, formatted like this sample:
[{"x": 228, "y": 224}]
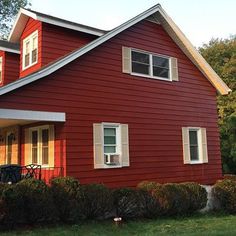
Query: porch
[{"x": 31, "y": 142}]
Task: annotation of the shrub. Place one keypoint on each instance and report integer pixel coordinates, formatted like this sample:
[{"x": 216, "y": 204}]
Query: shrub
[
  {"x": 64, "y": 190},
  {"x": 94, "y": 201},
  {"x": 29, "y": 201},
  {"x": 231, "y": 177},
  {"x": 196, "y": 194},
  {"x": 127, "y": 203},
  {"x": 148, "y": 185},
  {"x": 172, "y": 198},
  {"x": 225, "y": 192}
]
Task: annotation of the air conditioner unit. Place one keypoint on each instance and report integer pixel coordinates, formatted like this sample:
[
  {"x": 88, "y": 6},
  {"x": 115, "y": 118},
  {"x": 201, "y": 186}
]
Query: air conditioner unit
[{"x": 112, "y": 159}]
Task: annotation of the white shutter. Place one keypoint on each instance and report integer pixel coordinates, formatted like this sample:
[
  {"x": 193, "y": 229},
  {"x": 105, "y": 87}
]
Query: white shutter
[
  {"x": 98, "y": 146},
  {"x": 174, "y": 69},
  {"x": 124, "y": 145},
  {"x": 204, "y": 146},
  {"x": 186, "y": 150},
  {"x": 126, "y": 60},
  {"x": 51, "y": 146},
  {"x": 27, "y": 147}
]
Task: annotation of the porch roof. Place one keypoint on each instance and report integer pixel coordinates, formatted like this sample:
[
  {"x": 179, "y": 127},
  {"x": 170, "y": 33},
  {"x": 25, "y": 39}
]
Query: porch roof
[{"x": 10, "y": 117}]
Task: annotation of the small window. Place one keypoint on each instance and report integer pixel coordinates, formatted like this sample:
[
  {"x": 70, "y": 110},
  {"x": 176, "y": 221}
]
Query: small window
[
  {"x": 30, "y": 50},
  {"x": 1, "y": 69},
  {"x": 194, "y": 145},
  {"x": 111, "y": 145},
  {"x": 154, "y": 66}
]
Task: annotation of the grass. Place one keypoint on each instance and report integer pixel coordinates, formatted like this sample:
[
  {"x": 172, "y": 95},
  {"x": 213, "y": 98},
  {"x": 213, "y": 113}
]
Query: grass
[{"x": 195, "y": 225}]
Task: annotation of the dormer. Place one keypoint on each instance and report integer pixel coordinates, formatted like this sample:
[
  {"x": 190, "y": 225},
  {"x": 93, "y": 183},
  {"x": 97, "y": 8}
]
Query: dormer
[
  {"x": 44, "y": 38},
  {"x": 9, "y": 62}
]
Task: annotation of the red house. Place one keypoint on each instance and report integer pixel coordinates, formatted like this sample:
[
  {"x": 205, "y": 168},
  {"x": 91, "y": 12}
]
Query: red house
[{"x": 117, "y": 107}]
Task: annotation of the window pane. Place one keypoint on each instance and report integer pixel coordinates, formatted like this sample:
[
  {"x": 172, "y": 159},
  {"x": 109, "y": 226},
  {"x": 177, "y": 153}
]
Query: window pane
[
  {"x": 27, "y": 47},
  {"x": 109, "y": 140},
  {"x": 160, "y": 62},
  {"x": 34, "y": 138},
  {"x": 194, "y": 153},
  {"x": 109, "y": 131},
  {"x": 140, "y": 57},
  {"x": 27, "y": 57},
  {"x": 45, "y": 137},
  {"x": 160, "y": 72},
  {"x": 45, "y": 156},
  {"x": 35, "y": 155},
  {"x": 109, "y": 149},
  {"x": 34, "y": 55},
  {"x": 35, "y": 42},
  {"x": 140, "y": 68},
  {"x": 193, "y": 137}
]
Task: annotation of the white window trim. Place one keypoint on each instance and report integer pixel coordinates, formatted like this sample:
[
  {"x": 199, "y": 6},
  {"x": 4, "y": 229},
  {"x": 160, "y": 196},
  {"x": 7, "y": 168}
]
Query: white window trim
[
  {"x": 118, "y": 143},
  {"x": 199, "y": 140},
  {"x": 150, "y": 76},
  {"x": 30, "y": 39},
  {"x": 1, "y": 69},
  {"x": 39, "y": 130}
]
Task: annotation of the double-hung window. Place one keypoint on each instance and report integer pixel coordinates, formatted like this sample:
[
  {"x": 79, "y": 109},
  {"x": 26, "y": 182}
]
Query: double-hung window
[
  {"x": 1, "y": 69},
  {"x": 30, "y": 50},
  {"x": 194, "y": 145},
  {"x": 111, "y": 145},
  {"x": 41, "y": 150},
  {"x": 151, "y": 65}
]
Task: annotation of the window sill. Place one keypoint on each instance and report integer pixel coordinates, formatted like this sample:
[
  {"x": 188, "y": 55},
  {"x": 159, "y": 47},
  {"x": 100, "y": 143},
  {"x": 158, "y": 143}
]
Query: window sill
[
  {"x": 195, "y": 162},
  {"x": 151, "y": 77},
  {"x": 27, "y": 67}
]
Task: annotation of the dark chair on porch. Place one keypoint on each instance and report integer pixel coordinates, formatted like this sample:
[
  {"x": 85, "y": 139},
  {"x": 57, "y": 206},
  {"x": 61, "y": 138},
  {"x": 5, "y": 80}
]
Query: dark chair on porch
[
  {"x": 31, "y": 171},
  {"x": 10, "y": 173}
]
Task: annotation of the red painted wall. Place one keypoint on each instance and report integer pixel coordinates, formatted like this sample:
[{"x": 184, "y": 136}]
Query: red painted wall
[
  {"x": 53, "y": 43},
  {"x": 31, "y": 26},
  {"x": 93, "y": 89},
  {"x": 10, "y": 67},
  {"x": 58, "y": 41}
]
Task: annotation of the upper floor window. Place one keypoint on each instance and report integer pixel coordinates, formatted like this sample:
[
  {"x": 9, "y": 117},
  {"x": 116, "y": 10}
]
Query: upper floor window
[
  {"x": 30, "y": 50},
  {"x": 1, "y": 69},
  {"x": 151, "y": 65}
]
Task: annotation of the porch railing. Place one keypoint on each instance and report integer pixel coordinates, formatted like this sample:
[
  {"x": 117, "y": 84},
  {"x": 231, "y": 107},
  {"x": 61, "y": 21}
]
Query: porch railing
[{"x": 14, "y": 173}]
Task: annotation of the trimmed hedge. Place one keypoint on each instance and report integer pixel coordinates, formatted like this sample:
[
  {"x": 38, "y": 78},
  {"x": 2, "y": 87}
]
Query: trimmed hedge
[
  {"x": 176, "y": 199},
  {"x": 32, "y": 201},
  {"x": 94, "y": 201},
  {"x": 224, "y": 191},
  {"x": 64, "y": 192}
]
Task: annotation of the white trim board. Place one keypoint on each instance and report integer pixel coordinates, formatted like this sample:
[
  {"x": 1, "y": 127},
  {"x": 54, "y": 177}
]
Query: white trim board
[
  {"x": 32, "y": 115},
  {"x": 168, "y": 25}
]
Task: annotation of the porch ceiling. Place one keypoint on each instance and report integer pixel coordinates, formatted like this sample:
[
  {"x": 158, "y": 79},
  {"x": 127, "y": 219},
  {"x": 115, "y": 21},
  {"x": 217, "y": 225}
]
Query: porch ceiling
[{"x": 9, "y": 117}]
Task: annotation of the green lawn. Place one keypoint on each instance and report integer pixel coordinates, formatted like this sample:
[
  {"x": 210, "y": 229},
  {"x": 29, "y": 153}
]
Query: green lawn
[{"x": 197, "y": 225}]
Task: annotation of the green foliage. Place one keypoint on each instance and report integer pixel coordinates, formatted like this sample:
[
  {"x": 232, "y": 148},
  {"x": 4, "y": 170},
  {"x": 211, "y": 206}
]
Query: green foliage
[
  {"x": 127, "y": 203},
  {"x": 8, "y": 11},
  {"x": 94, "y": 201},
  {"x": 196, "y": 195},
  {"x": 225, "y": 192},
  {"x": 221, "y": 55},
  {"x": 64, "y": 190}
]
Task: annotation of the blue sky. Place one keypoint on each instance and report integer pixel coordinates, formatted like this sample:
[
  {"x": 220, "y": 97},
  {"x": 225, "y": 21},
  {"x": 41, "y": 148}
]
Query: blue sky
[{"x": 200, "y": 20}]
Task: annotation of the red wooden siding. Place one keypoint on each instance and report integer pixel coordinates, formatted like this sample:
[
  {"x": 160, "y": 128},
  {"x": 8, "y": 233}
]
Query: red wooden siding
[
  {"x": 12, "y": 66},
  {"x": 53, "y": 43},
  {"x": 58, "y": 41},
  {"x": 93, "y": 89},
  {"x": 2, "y": 54},
  {"x": 31, "y": 26}
]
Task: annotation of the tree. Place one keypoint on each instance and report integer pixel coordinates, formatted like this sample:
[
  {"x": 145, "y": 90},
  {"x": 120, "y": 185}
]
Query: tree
[
  {"x": 221, "y": 55},
  {"x": 8, "y": 10}
]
